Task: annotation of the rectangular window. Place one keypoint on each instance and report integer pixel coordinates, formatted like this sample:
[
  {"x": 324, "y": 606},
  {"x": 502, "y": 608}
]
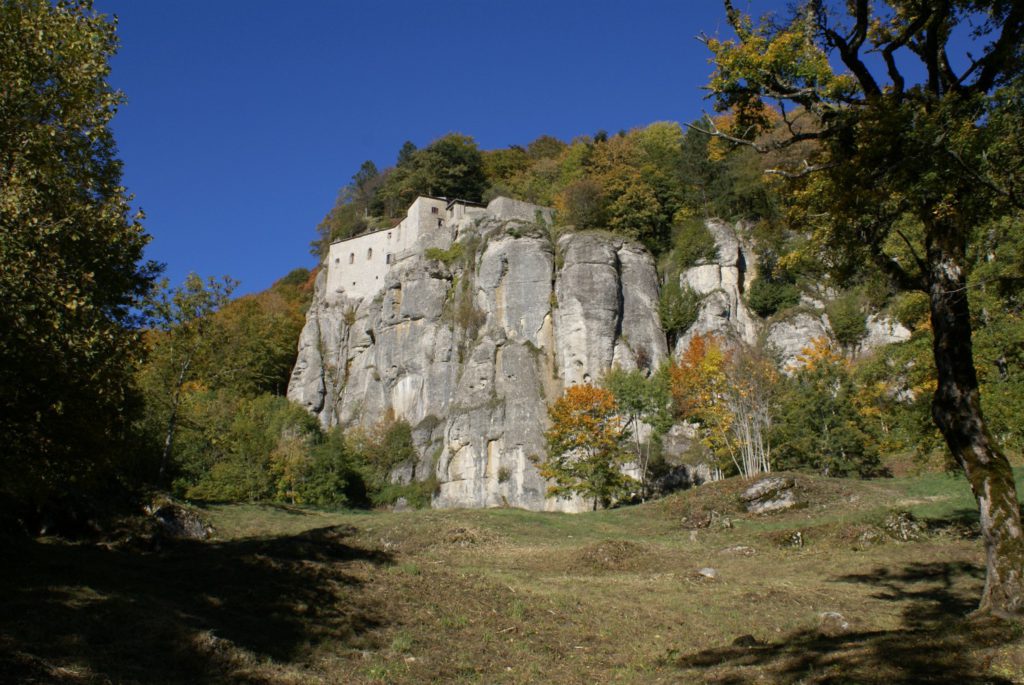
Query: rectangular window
[{"x": 433, "y": 210}]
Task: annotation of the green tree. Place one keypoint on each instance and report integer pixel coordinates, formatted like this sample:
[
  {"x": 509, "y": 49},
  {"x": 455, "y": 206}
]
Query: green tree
[
  {"x": 586, "y": 450},
  {"x": 678, "y": 308},
  {"x": 642, "y": 398},
  {"x": 818, "y": 426},
  {"x": 888, "y": 150},
  {"x": 184, "y": 343},
  {"x": 70, "y": 251},
  {"x": 847, "y": 319},
  {"x": 451, "y": 166}
]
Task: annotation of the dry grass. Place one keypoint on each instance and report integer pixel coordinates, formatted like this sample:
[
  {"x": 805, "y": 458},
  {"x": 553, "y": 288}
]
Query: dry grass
[{"x": 504, "y": 596}]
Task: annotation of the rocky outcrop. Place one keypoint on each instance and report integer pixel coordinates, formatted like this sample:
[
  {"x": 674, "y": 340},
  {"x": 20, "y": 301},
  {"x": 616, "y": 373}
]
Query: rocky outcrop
[
  {"x": 477, "y": 328},
  {"x": 721, "y": 284},
  {"x": 472, "y": 352},
  {"x": 768, "y": 495}
]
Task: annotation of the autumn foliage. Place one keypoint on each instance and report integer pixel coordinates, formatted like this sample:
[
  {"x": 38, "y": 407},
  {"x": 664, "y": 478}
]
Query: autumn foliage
[
  {"x": 729, "y": 393},
  {"x": 586, "y": 447}
]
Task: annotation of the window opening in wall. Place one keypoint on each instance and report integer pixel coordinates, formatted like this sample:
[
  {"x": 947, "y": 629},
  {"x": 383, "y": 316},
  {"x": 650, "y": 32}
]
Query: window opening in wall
[
  {"x": 387, "y": 259},
  {"x": 337, "y": 260},
  {"x": 439, "y": 223},
  {"x": 433, "y": 210},
  {"x": 389, "y": 235},
  {"x": 352, "y": 258},
  {"x": 369, "y": 253}
]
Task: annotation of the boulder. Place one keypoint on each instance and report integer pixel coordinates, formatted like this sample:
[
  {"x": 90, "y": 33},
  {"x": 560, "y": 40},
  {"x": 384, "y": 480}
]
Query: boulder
[
  {"x": 181, "y": 522},
  {"x": 832, "y": 624},
  {"x": 769, "y": 495}
]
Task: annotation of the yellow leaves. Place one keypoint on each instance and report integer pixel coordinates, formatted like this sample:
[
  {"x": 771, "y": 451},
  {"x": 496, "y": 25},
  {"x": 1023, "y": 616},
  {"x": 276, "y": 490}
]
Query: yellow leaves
[{"x": 821, "y": 352}]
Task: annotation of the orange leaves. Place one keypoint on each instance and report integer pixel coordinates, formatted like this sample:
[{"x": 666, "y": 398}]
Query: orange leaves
[
  {"x": 585, "y": 418},
  {"x": 586, "y": 446},
  {"x": 821, "y": 352},
  {"x": 699, "y": 376}
]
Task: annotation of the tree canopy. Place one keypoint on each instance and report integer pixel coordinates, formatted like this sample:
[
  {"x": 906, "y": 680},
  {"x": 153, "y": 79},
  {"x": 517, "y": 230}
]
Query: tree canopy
[
  {"x": 898, "y": 172},
  {"x": 72, "y": 276}
]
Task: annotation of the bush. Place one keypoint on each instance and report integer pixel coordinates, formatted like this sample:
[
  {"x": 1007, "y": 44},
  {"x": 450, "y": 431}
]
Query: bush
[
  {"x": 447, "y": 257},
  {"x": 766, "y": 297},
  {"x": 847, "y": 320},
  {"x": 678, "y": 308},
  {"x": 910, "y": 308},
  {"x": 818, "y": 426},
  {"x": 692, "y": 243}
]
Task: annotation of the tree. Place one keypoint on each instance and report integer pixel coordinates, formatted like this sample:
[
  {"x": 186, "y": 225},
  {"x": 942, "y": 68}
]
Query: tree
[
  {"x": 646, "y": 399},
  {"x": 891, "y": 154},
  {"x": 71, "y": 280},
  {"x": 819, "y": 426},
  {"x": 451, "y": 166},
  {"x": 730, "y": 394},
  {"x": 678, "y": 307},
  {"x": 586, "y": 447},
  {"x": 185, "y": 338}
]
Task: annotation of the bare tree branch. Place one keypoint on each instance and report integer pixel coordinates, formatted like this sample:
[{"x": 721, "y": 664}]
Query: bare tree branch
[
  {"x": 849, "y": 52},
  {"x": 913, "y": 251},
  {"x": 806, "y": 170},
  {"x": 773, "y": 145},
  {"x": 995, "y": 60},
  {"x": 887, "y": 52}
]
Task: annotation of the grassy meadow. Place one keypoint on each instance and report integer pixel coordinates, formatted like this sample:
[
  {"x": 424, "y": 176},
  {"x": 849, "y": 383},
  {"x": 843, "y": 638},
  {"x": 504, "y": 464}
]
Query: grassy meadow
[{"x": 295, "y": 595}]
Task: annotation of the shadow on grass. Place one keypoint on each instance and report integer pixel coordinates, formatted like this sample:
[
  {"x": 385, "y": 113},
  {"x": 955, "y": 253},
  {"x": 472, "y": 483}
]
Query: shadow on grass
[
  {"x": 196, "y": 612},
  {"x": 935, "y": 644}
]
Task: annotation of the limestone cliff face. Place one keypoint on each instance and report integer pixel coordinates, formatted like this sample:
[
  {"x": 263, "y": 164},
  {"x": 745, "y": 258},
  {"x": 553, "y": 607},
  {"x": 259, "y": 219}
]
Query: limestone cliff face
[
  {"x": 723, "y": 310},
  {"x": 471, "y": 341},
  {"x": 472, "y": 352}
]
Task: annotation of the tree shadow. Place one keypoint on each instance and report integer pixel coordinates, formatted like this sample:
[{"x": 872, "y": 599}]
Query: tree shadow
[
  {"x": 195, "y": 612},
  {"x": 934, "y": 645}
]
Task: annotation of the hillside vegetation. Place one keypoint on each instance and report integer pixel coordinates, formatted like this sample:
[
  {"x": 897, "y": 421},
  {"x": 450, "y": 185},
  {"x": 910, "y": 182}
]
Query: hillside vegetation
[{"x": 296, "y": 595}]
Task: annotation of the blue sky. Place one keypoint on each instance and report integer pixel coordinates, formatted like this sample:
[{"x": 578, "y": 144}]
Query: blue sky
[{"x": 244, "y": 119}]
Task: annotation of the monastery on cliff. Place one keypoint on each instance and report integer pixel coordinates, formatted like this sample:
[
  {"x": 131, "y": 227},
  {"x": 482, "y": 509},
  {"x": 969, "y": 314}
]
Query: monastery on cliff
[{"x": 356, "y": 267}]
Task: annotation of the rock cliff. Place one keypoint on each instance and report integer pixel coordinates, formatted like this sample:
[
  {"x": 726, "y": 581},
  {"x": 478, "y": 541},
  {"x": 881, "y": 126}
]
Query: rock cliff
[
  {"x": 474, "y": 332},
  {"x": 470, "y": 345}
]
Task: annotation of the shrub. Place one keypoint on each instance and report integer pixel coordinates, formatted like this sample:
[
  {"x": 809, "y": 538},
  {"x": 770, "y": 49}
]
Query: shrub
[
  {"x": 678, "y": 308},
  {"x": 846, "y": 317},
  {"x": 692, "y": 243},
  {"x": 766, "y": 296}
]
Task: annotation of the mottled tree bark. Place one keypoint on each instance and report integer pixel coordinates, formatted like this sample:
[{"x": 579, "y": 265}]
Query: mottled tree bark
[{"x": 956, "y": 409}]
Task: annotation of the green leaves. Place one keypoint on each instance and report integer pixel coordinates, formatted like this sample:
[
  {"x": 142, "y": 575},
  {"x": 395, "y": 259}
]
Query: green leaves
[{"x": 72, "y": 281}]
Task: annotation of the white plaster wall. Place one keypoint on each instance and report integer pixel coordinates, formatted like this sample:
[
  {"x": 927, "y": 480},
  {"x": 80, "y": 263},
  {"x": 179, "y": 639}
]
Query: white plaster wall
[{"x": 356, "y": 267}]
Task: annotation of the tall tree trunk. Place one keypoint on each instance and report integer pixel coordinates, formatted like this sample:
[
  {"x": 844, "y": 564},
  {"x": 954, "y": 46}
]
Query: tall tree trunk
[{"x": 956, "y": 409}]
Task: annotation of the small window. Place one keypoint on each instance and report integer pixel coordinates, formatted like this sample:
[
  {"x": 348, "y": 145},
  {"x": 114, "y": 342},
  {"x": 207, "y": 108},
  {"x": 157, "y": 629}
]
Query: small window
[
  {"x": 389, "y": 258},
  {"x": 352, "y": 258},
  {"x": 433, "y": 210},
  {"x": 389, "y": 235},
  {"x": 369, "y": 253},
  {"x": 439, "y": 223},
  {"x": 337, "y": 260}
]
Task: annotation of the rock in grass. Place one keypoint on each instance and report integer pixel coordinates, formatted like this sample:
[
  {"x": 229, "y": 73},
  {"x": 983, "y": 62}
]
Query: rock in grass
[
  {"x": 180, "y": 521},
  {"x": 769, "y": 495},
  {"x": 742, "y": 550},
  {"x": 902, "y": 526},
  {"x": 832, "y": 624},
  {"x": 745, "y": 641},
  {"x": 708, "y": 573}
]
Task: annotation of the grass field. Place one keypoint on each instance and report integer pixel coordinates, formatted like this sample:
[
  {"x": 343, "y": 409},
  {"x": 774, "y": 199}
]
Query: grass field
[{"x": 290, "y": 595}]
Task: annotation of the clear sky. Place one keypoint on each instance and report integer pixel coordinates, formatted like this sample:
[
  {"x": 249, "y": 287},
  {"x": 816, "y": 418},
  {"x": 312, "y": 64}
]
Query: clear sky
[{"x": 245, "y": 118}]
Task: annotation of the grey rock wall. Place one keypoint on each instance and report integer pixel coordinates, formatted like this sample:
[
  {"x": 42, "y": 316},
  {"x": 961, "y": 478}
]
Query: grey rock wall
[{"x": 471, "y": 353}]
